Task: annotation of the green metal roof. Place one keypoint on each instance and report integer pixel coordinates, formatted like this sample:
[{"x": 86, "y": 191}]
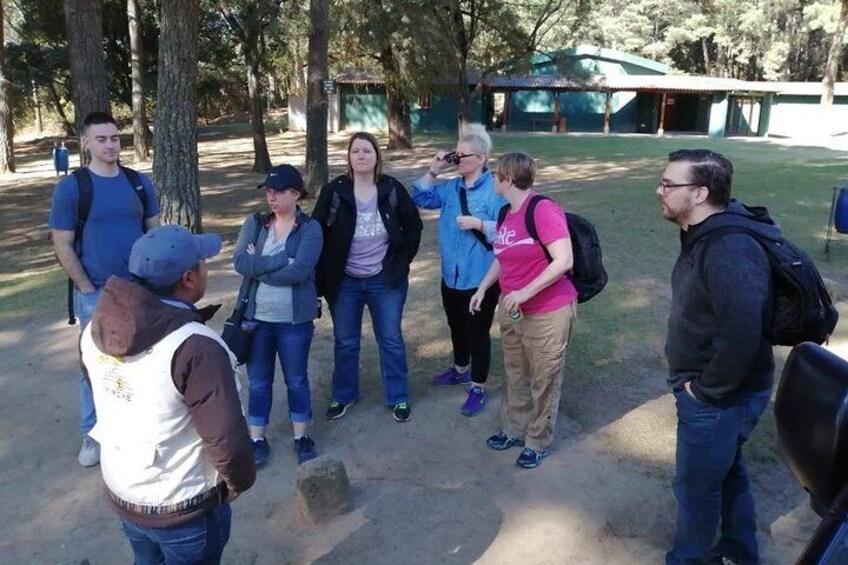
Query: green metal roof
[{"x": 593, "y": 52}]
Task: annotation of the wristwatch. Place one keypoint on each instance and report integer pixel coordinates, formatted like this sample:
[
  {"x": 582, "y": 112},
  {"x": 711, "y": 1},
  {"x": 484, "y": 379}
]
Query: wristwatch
[{"x": 433, "y": 173}]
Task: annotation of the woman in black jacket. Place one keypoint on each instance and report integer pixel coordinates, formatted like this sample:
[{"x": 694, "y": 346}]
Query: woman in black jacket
[{"x": 371, "y": 233}]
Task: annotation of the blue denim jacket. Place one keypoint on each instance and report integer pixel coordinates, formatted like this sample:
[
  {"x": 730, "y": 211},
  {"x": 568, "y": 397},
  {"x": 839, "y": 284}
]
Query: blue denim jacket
[
  {"x": 465, "y": 260},
  {"x": 303, "y": 245}
]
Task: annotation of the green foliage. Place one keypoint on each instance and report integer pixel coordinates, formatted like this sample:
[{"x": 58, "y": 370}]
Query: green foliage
[
  {"x": 755, "y": 40},
  {"x": 416, "y": 44}
]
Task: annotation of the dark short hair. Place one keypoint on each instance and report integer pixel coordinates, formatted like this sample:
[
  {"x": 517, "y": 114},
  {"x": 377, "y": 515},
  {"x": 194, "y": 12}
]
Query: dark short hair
[
  {"x": 378, "y": 169},
  {"x": 710, "y": 169},
  {"x": 96, "y": 119}
]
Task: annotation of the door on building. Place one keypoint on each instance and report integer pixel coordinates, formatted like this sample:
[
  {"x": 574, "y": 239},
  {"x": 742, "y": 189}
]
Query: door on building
[{"x": 743, "y": 116}]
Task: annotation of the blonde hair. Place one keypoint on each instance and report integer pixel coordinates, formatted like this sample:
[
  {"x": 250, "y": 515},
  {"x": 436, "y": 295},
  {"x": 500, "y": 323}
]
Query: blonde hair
[
  {"x": 477, "y": 135},
  {"x": 519, "y": 167}
]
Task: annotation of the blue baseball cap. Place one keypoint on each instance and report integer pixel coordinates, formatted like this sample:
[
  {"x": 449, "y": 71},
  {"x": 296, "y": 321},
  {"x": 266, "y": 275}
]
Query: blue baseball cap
[
  {"x": 282, "y": 178},
  {"x": 163, "y": 254}
]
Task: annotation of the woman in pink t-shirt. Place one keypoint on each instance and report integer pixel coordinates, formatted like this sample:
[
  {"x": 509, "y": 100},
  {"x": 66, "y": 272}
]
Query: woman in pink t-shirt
[{"x": 537, "y": 310}]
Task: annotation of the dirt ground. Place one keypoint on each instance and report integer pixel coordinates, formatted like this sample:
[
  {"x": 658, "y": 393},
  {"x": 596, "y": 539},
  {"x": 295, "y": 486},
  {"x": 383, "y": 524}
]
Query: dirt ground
[{"x": 425, "y": 492}]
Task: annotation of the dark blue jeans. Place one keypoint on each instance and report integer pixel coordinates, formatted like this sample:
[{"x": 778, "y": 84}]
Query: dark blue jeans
[
  {"x": 199, "y": 541},
  {"x": 386, "y": 307},
  {"x": 289, "y": 342},
  {"x": 711, "y": 480}
]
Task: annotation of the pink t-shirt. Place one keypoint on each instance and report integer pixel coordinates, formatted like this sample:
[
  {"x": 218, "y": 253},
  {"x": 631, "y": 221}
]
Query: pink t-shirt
[{"x": 522, "y": 259}]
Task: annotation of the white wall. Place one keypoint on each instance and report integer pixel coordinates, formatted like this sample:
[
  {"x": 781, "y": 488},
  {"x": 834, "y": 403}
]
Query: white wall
[
  {"x": 297, "y": 113},
  {"x": 795, "y": 119}
]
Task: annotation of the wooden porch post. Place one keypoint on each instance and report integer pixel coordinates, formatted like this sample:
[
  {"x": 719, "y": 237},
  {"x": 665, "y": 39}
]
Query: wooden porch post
[
  {"x": 661, "y": 129},
  {"x": 607, "y": 112},
  {"x": 507, "y": 106},
  {"x": 556, "y": 112}
]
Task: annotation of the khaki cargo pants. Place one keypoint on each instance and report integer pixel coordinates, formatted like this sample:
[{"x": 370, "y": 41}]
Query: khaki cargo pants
[{"x": 534, "y": 358}]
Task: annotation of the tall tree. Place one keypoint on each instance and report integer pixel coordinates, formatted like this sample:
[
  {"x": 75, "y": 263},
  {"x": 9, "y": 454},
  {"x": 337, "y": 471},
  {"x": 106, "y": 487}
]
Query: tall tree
[
  {"x": 834, "y": 55},
  {"x": 7, "y": 125},
  {"x": 84, "y": 28},
  {"x": 316, "y": 98},
  {"x": 395, "y": 35},
  {"x": 492, "y": 35},
  {"x": 140, "y": 130},
  {"x": 248, "y": 23},
  {"x": 175, "y": 167}
]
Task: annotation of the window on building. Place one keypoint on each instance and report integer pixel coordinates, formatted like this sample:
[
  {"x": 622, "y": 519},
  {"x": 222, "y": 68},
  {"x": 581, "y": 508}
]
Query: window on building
[{"x": 424, "y": 101}]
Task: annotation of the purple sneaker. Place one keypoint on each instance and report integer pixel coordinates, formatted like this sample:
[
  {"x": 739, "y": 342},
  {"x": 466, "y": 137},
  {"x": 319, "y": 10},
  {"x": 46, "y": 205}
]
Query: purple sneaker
[
  {"x": 475, "y": 402},
  {"x": 452, "y": 377}
]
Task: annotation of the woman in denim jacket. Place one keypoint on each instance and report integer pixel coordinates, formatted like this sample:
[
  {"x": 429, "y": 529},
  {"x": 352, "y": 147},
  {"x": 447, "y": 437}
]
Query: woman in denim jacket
[
  {"x": 277, "y": 253},
  {"x": 465, "y": 245}
]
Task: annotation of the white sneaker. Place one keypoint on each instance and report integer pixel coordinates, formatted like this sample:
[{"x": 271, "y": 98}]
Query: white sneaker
[{"x": 89, "y": 454}]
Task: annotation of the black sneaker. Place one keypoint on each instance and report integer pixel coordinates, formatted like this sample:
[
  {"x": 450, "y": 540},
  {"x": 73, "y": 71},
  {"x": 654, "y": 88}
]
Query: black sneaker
[
  {"x": 305, "y": 448},
  {"x": 401, "y": 412},
  {"x": 338, "y": 409},
  {"x": 502, "y": 441},
  {"x": 261, "y": 451}
]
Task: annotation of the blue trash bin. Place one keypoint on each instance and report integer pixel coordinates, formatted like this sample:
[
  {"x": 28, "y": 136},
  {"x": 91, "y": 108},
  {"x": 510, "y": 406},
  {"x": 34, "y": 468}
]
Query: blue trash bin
[{"x": 840, "y": 214}]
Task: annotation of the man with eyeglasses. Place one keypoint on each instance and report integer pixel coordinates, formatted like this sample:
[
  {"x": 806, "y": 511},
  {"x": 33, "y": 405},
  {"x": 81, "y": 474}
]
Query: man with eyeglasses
[{"x": 720, "y": 363}]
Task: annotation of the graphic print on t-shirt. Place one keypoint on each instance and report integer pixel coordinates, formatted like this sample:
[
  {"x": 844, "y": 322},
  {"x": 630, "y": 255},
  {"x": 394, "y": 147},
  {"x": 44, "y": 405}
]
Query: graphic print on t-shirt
[
  {"x": 505, "y": 239},
  {"x": 370, "y": 241},
  {"x": 369, "y": 224}
]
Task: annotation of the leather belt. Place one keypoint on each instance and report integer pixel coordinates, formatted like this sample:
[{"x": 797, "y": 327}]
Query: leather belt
[{"x": 151, "y": 510}]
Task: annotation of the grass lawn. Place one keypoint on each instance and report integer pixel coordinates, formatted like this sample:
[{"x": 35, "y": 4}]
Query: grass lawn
[{"x": 610, "y": 180}]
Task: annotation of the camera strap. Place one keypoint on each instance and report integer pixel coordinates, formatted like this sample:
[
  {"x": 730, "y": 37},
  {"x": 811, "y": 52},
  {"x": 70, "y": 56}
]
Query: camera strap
[{"x": 463, "y": 203}]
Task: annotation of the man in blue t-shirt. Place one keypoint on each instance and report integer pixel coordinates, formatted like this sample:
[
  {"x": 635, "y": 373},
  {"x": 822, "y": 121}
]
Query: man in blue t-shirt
[{"x": 116, "y": 220}]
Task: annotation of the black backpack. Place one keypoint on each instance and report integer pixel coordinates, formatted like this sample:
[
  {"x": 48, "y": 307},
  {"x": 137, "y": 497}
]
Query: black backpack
[
  {"x": 588, "y": 273},
  {"x": 802, "y": 309},
  {"x": 86, "y": 195}
]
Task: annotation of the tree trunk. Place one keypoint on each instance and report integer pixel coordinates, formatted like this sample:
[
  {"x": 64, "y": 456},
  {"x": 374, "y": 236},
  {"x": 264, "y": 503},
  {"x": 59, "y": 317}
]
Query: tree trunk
[
  {"x": 175, "y": 170},
  {"x": 464, "y": 98},
  {"x": 273, "y": 92},
  {"x": 70, "y": 131},
  {"x": 261, "y": 159},
  {"x": 84, "y": 26},
  {"x": 705, "y": 50},
  {"x": 316, "y": 98},
  {"x": 834, "y": 56},
  {"x": 7, "y": 125},
  {"x": 36, "y": 106},
  {"x": 140, "y": 131},
  {"x": 400, "y": 124}
]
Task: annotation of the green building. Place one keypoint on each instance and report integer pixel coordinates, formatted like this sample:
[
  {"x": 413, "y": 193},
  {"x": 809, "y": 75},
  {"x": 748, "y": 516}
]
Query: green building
[{"x": 591, "y": 89}]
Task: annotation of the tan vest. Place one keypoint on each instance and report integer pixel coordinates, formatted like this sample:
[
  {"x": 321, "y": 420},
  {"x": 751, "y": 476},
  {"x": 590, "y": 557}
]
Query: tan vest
[{"x": 150, "y": 451}]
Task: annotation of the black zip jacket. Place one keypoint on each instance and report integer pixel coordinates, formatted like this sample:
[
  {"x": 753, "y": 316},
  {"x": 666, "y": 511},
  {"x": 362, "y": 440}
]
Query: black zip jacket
[
  {"x": 402, "y": 224},
  {"x": 721, "y": 298}
]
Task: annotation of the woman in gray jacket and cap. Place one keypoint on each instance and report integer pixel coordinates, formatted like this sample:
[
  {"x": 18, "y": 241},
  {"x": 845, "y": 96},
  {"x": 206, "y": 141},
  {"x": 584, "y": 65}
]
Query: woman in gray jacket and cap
[{"x": 277, "y": 252}]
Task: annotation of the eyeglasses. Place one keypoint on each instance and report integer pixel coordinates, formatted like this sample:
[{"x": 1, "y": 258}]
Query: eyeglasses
[
  {"x": 666, "y": 187},
  {"x": 464, "y": 155}
]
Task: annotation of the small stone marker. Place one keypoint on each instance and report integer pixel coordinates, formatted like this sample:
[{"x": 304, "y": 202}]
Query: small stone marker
[{"x": 323, "y": 489}]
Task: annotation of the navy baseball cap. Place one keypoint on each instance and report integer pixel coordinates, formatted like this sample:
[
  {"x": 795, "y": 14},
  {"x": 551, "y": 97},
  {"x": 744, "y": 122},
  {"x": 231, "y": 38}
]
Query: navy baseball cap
[
  {"x": 163, "y": 254},
  {"x": 282, "y": 178}
]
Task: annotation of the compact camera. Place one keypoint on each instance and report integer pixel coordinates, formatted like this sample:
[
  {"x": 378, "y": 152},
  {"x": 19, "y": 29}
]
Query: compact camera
[{"x": 452, "y": 158}]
